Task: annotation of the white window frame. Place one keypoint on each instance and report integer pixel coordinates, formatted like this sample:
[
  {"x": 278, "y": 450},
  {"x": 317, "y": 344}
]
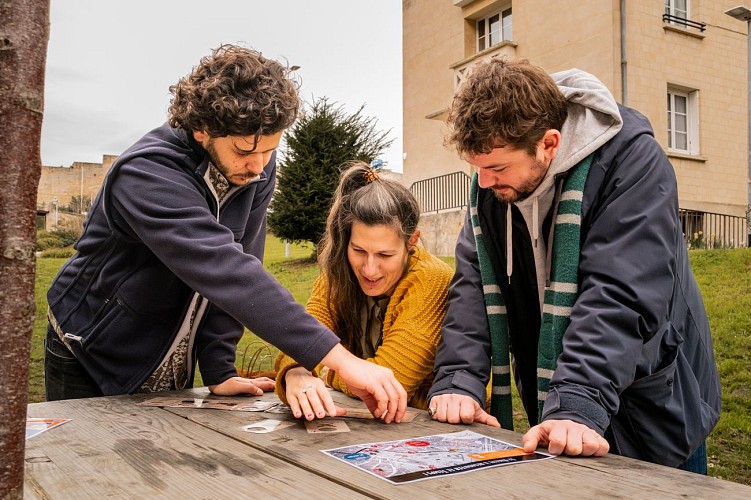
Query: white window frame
[
  {"x": 690, "y": 128},
  {"x": 505, "y": 29},
  {"x": 674, "y": 10}
]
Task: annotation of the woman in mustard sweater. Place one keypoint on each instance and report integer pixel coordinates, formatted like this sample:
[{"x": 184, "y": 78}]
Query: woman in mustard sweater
[{"x": 381, "y": 293}]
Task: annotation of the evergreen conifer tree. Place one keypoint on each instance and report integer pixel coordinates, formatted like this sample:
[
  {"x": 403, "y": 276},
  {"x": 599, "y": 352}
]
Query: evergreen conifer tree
[{"x": 318, "y": 145}]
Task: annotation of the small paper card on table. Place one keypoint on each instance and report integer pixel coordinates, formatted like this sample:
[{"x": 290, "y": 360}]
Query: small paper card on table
[
  {"x": 409, "y": 415},
  {"x": 325, "y": 426},
  {"x": 268, "y": 425},
  {"x": 36, "y": 426},
  {"x": 215, "y": 403}
]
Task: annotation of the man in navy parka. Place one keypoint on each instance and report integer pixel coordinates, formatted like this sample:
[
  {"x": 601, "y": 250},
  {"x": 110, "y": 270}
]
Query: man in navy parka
[{"x": 572, "y": 276}]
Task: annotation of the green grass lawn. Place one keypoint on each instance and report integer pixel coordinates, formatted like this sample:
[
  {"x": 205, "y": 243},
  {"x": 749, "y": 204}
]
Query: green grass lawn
[
  {"x": 724, "y": 277},
  {"x": 295, "y": 272}
]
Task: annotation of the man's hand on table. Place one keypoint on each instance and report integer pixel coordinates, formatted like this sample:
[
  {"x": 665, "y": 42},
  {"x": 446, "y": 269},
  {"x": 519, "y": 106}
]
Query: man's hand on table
[
  {"x": 375, "y": 385},
  {"x": 459, "y": 409},
  {"x": 565, "y": 437},
  {"x": 239, "y": 385}
]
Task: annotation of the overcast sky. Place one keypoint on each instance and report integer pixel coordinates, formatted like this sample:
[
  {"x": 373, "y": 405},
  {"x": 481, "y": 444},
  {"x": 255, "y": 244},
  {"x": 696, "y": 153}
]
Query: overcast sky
[{"x": 110, "y": 64}]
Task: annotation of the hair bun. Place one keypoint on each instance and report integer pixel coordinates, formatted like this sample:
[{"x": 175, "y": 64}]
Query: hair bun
[
  {"x": 370, "y": 175},
  {"x": 371, "y": 171}
]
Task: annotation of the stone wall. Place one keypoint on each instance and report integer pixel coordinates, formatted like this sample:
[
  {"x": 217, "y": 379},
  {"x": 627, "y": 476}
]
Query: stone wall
[
  {"x": 64, "y": 221},
  {"x": 64, "y": 183},
  {"x": 438, "y": 231},
  {"x": 82, "y": 179}
]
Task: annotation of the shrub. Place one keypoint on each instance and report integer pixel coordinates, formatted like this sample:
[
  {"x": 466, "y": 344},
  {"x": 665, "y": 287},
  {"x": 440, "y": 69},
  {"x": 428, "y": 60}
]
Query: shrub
[
  {"x": 54, "y": 239},
  {"x": 52, "y": 253},
  {"x": 46, "y": 242},
  {"x": 317, "y": 146}
]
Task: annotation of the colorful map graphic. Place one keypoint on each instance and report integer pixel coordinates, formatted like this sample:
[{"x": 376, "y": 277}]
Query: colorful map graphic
[{"x": 425, "y": 457}]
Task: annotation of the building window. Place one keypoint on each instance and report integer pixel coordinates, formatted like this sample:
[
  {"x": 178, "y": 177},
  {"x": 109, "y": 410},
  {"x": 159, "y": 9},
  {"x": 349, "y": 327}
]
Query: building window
[
  {"x": 677, "y": 14},
  {"x": 683, "y": 121},
  {"x": 677, "y": 121},
  {"x": 677, "y": 8},
  {"x": 494, "y": 29}
]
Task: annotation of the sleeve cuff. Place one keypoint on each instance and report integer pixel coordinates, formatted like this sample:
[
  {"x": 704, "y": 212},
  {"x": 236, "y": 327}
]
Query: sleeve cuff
[
  {"x": 561, "y": 405},
  {"x": 460, "y": 382},
  {"x": 217, "y": 377}
]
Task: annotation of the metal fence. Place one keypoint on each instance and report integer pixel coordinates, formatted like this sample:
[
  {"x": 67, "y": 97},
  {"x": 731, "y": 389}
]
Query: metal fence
[
  {"x": 443, "y": 192},
  {"x": 700, "y": 229},
  {"x": 682, "y": 21},
  {"x": 711, "y": 230}
]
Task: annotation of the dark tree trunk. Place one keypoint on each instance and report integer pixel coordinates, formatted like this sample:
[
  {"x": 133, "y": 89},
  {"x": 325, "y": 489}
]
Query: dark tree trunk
[{"x": 24, "y": 31}]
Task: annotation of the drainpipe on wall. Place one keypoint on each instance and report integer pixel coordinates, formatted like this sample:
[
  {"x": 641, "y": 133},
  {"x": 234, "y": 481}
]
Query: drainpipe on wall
[{"x": 624, "y": 81}]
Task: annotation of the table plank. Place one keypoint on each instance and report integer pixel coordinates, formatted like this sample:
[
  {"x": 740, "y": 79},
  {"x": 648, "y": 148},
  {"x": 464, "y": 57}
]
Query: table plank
[
  {"x": 563, "y": 477},
  {"x": 115, "y": 449}
]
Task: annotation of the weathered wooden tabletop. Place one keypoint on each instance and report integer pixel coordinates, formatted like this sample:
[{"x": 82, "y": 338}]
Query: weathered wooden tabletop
[{"x": 115, "y": 449}]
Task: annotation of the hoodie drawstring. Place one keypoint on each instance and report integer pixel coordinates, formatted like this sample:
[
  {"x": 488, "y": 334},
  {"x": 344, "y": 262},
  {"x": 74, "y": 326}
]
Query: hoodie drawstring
[
  {"x": 509, "y": 244},
  {"x": 535, "y": 221},
  {"x": 535, "y": 233}
]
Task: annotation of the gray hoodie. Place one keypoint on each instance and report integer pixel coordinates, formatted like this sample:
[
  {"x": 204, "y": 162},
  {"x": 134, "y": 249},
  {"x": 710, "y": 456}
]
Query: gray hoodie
[
  {"x": 593, "y": 119},
  {"x": 637, "y": 363}
]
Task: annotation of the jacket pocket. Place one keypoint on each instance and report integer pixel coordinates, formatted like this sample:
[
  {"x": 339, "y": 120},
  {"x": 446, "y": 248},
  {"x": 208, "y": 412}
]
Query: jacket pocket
[
  {"x": 121, "y": 346},
  {"x": 664, "y": 412}
]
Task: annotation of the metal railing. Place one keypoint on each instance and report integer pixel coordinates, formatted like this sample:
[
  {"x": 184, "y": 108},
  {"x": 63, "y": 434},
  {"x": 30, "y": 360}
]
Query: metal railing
[
  {"x": 443, "y": 192},
  {"x": 712, "y": 230},
  {"x": 686, "y": 23},
  {"x": 700, "y": 229}
]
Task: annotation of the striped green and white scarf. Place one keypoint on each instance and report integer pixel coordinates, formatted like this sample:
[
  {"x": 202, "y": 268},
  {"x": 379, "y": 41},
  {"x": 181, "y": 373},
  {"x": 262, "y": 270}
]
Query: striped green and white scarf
[{"x": 558, "y": 299}]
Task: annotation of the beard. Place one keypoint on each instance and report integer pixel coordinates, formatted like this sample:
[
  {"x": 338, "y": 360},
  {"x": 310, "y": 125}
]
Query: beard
[
  {"x": 522, "y": 192},
  {"x": 211, "y": 150}
]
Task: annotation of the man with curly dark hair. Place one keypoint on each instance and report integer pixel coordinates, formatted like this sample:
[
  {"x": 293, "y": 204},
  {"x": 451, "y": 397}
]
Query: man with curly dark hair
[{"x": 168, "y": 270}]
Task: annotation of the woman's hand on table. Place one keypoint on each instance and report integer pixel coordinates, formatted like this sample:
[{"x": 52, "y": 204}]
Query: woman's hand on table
[{"x": 308, "y": 396}]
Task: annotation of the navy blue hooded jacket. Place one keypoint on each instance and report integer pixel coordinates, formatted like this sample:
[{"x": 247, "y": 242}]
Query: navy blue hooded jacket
[
  {"x": 637, "y": 363},
  {"x": 154, "y": 237}
]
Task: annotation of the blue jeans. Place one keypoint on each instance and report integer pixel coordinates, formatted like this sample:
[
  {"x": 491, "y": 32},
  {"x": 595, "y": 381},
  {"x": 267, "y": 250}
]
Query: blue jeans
[
  {"x": 64, "y": 377},
  {"x": 696, "y": 462}
]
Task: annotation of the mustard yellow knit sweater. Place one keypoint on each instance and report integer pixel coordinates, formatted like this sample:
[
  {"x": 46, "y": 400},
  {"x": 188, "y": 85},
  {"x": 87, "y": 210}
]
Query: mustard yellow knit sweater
[{"x": 411, "y": 328}]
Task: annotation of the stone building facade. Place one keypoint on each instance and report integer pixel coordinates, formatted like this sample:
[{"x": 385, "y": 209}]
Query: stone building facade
[
  {"x": 58, "y": 186},
  {"x": 680, "y": 62}
]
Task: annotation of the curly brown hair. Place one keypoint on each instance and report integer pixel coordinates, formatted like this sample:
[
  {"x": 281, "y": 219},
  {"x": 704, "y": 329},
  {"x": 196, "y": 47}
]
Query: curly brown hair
[
  {"x": 504, "y": 103},
  {"x": 235, "y": 91}
]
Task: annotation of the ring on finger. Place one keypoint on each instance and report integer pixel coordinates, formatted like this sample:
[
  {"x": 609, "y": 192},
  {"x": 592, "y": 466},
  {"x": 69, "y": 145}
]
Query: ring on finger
[
  {"x": 432, "y": 411},
  {"x": 306, "y": 388}
]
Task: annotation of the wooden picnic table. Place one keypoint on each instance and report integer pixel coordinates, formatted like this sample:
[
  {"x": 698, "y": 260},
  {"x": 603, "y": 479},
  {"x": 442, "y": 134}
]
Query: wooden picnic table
[{"x": 114, "y": 448}]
